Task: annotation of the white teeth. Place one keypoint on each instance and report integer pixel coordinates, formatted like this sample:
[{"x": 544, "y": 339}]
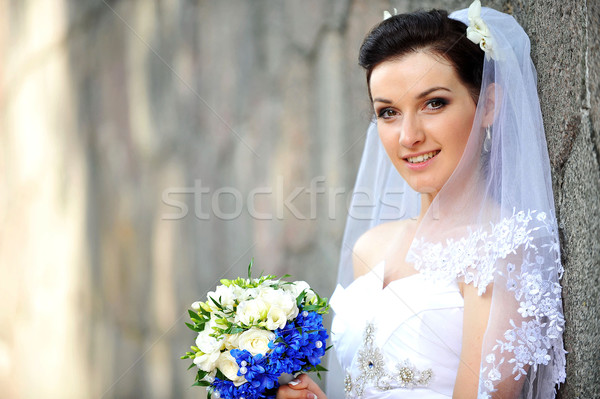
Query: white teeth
[{"x": 422, "y": 158}]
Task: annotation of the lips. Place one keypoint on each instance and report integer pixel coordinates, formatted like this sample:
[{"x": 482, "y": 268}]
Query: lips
[{"x": 422, "y": 157}]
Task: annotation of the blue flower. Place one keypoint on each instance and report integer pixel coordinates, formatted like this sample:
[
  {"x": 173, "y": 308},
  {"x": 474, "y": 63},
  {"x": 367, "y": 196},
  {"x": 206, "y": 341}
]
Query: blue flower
[{"x": 297, "y": 347}]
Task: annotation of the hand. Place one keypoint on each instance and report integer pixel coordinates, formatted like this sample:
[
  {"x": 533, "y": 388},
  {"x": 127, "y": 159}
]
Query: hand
[{"x": 303, "y": 387}]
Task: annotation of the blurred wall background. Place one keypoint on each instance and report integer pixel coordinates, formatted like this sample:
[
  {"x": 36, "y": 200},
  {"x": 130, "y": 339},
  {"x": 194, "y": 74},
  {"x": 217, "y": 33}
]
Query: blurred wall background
[{"x": 150, "y": 148}]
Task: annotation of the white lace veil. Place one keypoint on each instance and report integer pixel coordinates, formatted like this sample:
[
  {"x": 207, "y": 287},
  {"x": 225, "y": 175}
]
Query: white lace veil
[{"x": 493, "y": 223}]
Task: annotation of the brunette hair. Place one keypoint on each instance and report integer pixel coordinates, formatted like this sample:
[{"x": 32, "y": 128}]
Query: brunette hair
[{"x": 429, "y": 31}]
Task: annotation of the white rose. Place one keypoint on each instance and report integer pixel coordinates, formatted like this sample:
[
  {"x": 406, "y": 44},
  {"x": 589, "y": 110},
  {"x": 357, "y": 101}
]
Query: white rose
[
  {"x": 207, "y": 361},
  {"x": 280, "y": 299},
  {"x": 206, "y": 343},
  {"x": 256, "y": 341},
  {"x": 232, "y": 341},
  {"x": 229, "y": 367},
  {"x": 272, "y": 296},
  {"x": 244, "y": 294},
  {"x": 297, "y": 287},
  {"x": 252, "y": 311},
  {"x": 223, "y": 295},
  {"x": 276, "y": 318}
]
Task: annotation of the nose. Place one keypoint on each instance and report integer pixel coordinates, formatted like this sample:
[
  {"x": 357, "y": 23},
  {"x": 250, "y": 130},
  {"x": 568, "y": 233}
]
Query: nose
[{"x": 411, "y": 132}]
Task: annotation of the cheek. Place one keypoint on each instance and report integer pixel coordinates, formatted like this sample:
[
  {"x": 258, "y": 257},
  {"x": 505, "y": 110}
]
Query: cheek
[
  {"x": 462, "y": 131},
  {"x": 388, "y": 139}
]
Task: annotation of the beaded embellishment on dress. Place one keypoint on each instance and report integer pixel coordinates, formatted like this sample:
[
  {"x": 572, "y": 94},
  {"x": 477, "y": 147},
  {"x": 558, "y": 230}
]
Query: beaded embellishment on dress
[{"x": 373, "y": 371}]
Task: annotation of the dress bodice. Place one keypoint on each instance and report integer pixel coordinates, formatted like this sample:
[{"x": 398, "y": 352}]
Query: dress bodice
[{"x": 401, "y": 341}]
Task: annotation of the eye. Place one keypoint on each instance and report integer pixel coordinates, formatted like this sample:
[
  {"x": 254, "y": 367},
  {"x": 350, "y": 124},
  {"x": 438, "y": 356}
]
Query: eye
[
  {"x": 436, "y": 103},
  {"x": 387, "y": 113}
]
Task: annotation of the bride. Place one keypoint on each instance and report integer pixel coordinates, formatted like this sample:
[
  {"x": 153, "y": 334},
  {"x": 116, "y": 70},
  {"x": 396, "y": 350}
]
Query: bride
[{"x": 449, "y": 276}]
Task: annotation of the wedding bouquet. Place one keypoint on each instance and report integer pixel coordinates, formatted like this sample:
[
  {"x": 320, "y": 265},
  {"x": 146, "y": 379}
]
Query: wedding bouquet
[{"x": 252, "y": 331}]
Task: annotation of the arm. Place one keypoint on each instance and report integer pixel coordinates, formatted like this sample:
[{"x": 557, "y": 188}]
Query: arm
[
  {"x": 475, "y": 319},
  {"x": 475, "y": 325}
]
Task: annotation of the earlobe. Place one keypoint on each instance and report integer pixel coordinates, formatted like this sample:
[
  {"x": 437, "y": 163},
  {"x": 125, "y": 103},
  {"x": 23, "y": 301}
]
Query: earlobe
[{"x": 492, "y": 96}]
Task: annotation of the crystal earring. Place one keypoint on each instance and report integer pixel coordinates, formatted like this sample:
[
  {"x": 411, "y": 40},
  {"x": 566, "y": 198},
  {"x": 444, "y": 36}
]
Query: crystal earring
[{"x": 487, "y": 142}]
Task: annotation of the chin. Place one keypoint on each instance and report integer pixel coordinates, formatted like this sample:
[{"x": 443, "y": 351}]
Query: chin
[{"x": 426, "y": 190}]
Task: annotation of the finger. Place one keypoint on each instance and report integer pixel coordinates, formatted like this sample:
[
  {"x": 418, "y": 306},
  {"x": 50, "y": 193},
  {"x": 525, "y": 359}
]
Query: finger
[
  {"x": 298, "y": 383},
  {"x": 312, "y": 387},
  {"x": 304, "y": 382},
  {"x": 286, "y": 392}
]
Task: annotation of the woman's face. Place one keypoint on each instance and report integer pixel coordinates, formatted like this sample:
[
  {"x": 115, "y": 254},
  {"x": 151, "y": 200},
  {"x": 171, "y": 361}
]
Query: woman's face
[{"x": 424, "y": 117}]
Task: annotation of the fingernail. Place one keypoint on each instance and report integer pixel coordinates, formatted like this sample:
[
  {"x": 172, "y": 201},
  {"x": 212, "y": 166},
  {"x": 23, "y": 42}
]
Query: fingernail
[
  {"x": 311, "y": 396},
  {"x": 294, "y": 383}
]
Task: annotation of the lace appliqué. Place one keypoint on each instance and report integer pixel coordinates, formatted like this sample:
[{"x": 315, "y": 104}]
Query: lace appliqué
[
  {"x": 373, "y": 371},
  {"x": 532, "y": 339},
  {"x": 535, "y": 338},
  {"x": 474, "y": 257}
]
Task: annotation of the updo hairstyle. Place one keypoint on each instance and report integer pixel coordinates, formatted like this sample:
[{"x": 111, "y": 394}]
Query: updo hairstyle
[{"x": 428, "y": 31}]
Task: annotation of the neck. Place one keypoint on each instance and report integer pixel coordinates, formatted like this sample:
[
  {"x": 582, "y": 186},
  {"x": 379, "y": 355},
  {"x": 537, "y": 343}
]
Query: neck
[
  {"x": 426, "y": 200},
  {"x": 450, "y": 206}
]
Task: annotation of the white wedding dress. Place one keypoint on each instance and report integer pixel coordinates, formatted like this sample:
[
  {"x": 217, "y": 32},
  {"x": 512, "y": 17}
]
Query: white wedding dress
[{"x": 401, "y": 341}]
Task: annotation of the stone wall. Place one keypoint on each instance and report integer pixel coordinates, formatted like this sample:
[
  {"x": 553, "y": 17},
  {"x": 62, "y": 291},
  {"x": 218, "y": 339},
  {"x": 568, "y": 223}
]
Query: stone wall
[{"x": 151, "y": 148}]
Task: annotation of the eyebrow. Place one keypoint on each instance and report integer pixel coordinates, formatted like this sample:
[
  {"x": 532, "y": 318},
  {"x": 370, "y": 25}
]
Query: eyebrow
[
  {"x": 429, "y": 91},
  {"x": 423, "y": 94}
]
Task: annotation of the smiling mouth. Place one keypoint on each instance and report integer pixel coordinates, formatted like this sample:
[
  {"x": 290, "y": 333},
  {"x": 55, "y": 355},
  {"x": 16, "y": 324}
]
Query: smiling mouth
[{"x": 423, "y": 157}]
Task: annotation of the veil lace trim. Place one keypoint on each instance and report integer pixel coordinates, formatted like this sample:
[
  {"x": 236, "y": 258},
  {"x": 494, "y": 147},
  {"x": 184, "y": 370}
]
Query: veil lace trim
[
  {"x": 533, "y": 336},
  {"x": 473, "y": 258}
]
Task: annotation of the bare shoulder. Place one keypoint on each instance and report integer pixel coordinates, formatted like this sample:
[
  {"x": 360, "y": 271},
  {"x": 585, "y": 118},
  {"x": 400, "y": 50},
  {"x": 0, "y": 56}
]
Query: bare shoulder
[{"x": 371, "y": 247}]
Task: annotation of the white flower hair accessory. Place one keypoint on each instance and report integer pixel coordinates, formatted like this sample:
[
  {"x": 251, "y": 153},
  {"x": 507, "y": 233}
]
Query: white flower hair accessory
[
  {"x": 387, "y": 14},
  {"x": 478, "y": 32}
]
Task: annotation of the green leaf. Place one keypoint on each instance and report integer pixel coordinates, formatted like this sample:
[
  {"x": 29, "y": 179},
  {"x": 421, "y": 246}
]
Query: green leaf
[
  {"x": 250, "y": 268},
  {"x": 191, "y": 365},
  {"x": 220, "y": 375},
  {"x": 205, "y": 313},
  {"x": 201, "y": 374},
  {"x": 193, "y": 315},
  {"x": 193, "y": 327},
  {"x": 300, "y": 298},
  {"x": 234, "y": 330},
  {"x": 217, "y": 304}
]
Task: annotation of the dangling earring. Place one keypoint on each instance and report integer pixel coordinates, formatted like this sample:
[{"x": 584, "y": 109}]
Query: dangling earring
[{"x": 487, "y": 142}]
